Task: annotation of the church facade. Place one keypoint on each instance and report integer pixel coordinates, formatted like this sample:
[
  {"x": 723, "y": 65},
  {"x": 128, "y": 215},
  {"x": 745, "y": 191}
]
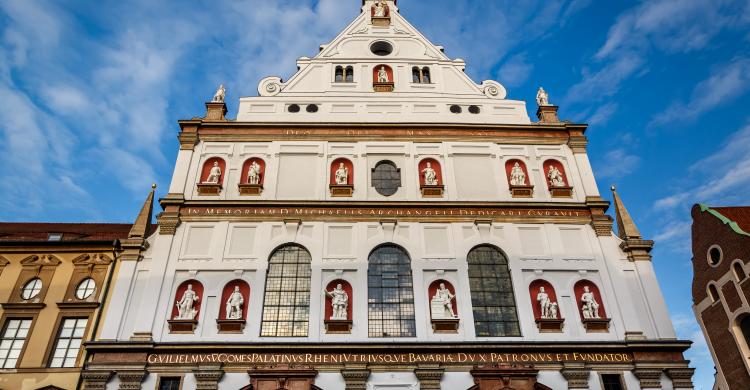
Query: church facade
[{"x": 382, "y": 221}]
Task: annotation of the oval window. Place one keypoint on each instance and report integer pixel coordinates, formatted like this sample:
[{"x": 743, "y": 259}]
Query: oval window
[
  {"x": 86, "y": 288},
  {"x": 386, "y": 178},
  {"x": 715, "y": 255},
  {"x": 381, "y": 48},
  {"x": 31, "y": 289}
]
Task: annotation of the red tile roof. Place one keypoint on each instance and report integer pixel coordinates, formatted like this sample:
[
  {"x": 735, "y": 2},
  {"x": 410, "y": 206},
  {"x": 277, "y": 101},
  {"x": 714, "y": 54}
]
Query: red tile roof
[
  {"x": 740, "y": 215},
  {"x": 71, "y": 232}
]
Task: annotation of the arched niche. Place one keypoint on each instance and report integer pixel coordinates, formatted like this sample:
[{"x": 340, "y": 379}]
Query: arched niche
[
  {"x": 557, "y": 179},
  {"x": 444, "y": 318},
  {"x": 252, "y": 185},
  {"x": 386, "y": 11},
  {"x": 382, "y": 85},
  {"x": 520, "y": 185},
  {"x": 338, "y": 325},
  {"x": 553, "y": 322},
  {"x": 592, "y": 323},
  {"x": 208, "y": 185},
  {"x": 188, "y": 321},
  {"x": 435, "y": 189},
  {"x": 345, "y": 188},
  {"x": 233, "y": 325}
]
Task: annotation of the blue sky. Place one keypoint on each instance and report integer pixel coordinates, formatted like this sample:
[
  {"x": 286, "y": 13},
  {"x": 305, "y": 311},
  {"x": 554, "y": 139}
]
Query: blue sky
[{"x": 90, "y": 93}]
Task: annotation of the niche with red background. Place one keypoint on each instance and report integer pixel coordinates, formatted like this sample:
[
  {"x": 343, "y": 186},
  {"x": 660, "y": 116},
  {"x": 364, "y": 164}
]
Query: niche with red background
[
  {"x": 342, "y": 190},
  {"x": 565, "y": 191},
  {"x": 545, "y": 325},
  {"x": 338, "y": 326},
  {"x": 431, "y": 191},
  {"x": 592, "y": 325},
  {"x": 211, "y": 188},
  {"x": 381, "y": 21},
  {"x": 519, "y": 191},
  {"x": 443, "y": 325},
  {"x": 186, "y": 325},
  {"x": 379, "y": 86},
  {"x": 245, "y": 187},
  {"x": 224, "y": 324}
]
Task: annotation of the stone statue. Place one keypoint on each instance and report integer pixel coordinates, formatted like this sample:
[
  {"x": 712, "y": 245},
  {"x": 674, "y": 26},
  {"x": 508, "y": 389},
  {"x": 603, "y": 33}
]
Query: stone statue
[
  {"x": 542, "y": 98},
  {"x": 253, "y": 173},
  {"x": 517, "y": 176},
  {"x": 548, "y": 308},
  {"x": 382, "y": 75},
  {"x": 590, "y": 306},
  {"x": 214, "y": 175},
  {"x": 555, "y": 177},
  {"x": 342, "y": 175},
  {"x": 381, "y": 9},
  {"x": 339, "y": 303},
  {"x": 186, "y": 305},
  {"x": 234, "y": 305},
  {"x": 430, "y": 176},
  {"x": 442, "y": 304},
  {"x": 553, "y": 310},
  {"x": 219, "y": 95}
]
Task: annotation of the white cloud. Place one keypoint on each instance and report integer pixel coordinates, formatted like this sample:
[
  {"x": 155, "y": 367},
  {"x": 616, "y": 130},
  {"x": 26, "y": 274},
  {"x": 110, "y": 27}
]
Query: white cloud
[
  {"x": 602, "y": 114},
  {"x": 515, "y": 71},
  {"x": 617, "y": 163}
]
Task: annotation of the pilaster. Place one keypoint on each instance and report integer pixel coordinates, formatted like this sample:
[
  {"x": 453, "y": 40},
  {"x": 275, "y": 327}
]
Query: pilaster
[
  {"x": 429, "y": 377},
  {"x": 355, "y": 378},
  {"x": 131, "y": 379},
  {"x": 577, "y": 375},
  {"x": 207, "y": 378},
  {"x": 682, "y": 378},
  {"x": 95, "y": 380},
  {"x": 649, "y": 378}
]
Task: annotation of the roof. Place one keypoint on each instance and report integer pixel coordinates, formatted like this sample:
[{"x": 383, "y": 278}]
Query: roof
[
  {"x": 738, "y": 218},
  {"x": 71, "y": 232}
]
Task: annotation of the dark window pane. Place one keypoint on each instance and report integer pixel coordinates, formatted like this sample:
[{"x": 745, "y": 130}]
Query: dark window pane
[
  {"x": 169, "y": 383},
  {"x": 386, "y": 178},
  {"x": 390, "y": 295},
  {"x": 286, "y": 304},
  {"x": 612, "y": 382},
  {"x": 492, "y": 296}
]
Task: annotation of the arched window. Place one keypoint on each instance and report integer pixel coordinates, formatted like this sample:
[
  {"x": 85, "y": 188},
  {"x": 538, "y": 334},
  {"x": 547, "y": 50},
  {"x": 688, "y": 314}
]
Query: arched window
[
  {"x": 492, "y": 297},
  {"x": 349, "y": 74},
  {"x": 415, "y": 77},
  {"x": 286, "y": 306},
  {"x": 744, "y": 325},
  {"x": 713, "y": 293},
  {"x": 426, "y": 75},
  {"x": 739, "y": 272},
  {"x": 386, "y": 178},
  {"x": 390, "y": 293},
  {"x": 339, "y": 75}
]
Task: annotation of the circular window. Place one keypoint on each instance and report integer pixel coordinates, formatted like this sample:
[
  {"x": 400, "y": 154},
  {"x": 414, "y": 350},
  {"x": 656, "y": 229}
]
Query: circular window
[
  {"x": 31, "y": 289},
  {"x": 456, "y": 109},
  {"x": 86, "y": 288},
  {"x": 381, "y": 48},
  {"x": 386, "y": 178},
  {"x": 312, "y": 108},
  {"x": 474, "y": 109},
  {"x": 714, "y": 255},
  {"x": 293, "y": 108}
]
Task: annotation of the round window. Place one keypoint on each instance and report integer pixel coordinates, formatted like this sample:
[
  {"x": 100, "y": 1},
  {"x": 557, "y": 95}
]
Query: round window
[
  {"x": 456, "y": 109},
  {"x": 474, "y": 109},
  {"x": 381, "y": 48},
  {"x": 293, "y": 108},
  {"x": 86, "y": 288},
  {"x": 31, "y": 289},
  {"x": 386, "y": 178},
  {"x": 312, "y": 108},
  {"x": 714, "y": 255}
]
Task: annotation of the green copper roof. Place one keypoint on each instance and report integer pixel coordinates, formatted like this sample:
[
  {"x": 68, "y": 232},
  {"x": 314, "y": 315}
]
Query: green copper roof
[{"x": 733, "y": 225}]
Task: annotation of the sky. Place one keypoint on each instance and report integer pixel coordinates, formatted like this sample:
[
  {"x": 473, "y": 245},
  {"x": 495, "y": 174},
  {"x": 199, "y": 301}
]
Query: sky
[{"x": 90, "y": 93}]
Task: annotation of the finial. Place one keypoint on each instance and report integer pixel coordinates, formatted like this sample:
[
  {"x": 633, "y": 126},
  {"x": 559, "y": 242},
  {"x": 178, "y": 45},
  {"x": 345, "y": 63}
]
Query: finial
[
  {"x": 613, "y": 188},
  {"x": 153, "y": 186}
]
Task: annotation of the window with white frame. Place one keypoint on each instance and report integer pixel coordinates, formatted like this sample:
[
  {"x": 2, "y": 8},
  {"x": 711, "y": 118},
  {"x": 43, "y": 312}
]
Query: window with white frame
[
  {"x": 68, "y": 343},
  {"x": 85, "y": 289},
  {"x": 13, "y": 338},
  {"x": 31, "y": 289}
]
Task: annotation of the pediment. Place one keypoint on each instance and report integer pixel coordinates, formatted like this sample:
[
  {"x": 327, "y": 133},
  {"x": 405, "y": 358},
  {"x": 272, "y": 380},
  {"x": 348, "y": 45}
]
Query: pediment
[
  {"x": 4, "y": 261},
  {"x": 40, "y": 261},
  {"x": 50, "y": 387},
  {"x": 92, "y": 259}
]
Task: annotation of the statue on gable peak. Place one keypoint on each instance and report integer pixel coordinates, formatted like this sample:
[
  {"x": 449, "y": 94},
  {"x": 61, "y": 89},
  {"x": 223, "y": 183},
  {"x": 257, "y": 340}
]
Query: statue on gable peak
[{"x": 380, "y": 9}]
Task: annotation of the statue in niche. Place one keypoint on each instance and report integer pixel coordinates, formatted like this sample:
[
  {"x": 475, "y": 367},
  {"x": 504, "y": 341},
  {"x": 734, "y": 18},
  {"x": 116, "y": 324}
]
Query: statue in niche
[
  {"x": 214, "y": 175},
  {"x": 234, "y": 304},
  {"x": 517, "y": 175},
  {"x": 430, "y": 176},
  {"x": 253, "y": 173},
  {"x": 219, "y": 95},
  {"x": 186, "y": 305},
  {"x": 442, "y": 304},
  {"x": 339, "y": 303},
  {"x": 548, "y": 308},
  {"x": 383, "y": 75},
  {"x": 555, "y": 177},
  {"x": 590, "y": 306},
  {"x": 542, "y": 98},
  {"x": 380, "y": 9},
  {"x": 342, "y": 175}
]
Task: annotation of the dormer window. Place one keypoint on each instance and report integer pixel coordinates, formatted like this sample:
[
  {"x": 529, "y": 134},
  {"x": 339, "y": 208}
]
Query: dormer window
[
  {"x": 54, "y": 237},
  {"x": 344, "y": 74},
  {"x": 420, "y": 75}
]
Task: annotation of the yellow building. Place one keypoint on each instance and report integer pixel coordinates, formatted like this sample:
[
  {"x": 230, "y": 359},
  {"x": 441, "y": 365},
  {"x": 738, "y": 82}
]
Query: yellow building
[{"x": 54, "y": 283}]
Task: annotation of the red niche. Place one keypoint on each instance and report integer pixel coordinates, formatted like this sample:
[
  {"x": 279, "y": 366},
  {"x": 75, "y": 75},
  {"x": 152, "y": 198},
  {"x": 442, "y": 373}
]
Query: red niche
[
  {"x": 347, "y": 164},
  {"x": 376, "y": 70},
  {"x": 387, "y": 11},
  {"x": 197, "y": 287},
  {"x": 534, "y": 289},
  {"x": 207, "y": 169},
  {"x": 346, "y": 287},
  {"x": 554, "y": 163},
  {"x": 509, "y": 167},
  {"x": 227, "y": 292},
  {"x": 435, "y": 165},
  {"x": 433, "y": 289},
  {"x": 246, "y": 170},
  {"x": 578, "y": 290}
]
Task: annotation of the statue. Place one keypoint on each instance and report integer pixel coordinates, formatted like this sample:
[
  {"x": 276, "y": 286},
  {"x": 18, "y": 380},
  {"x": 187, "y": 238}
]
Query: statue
[
  {"x": 380, "y": 9},
  {"x": 219, "y": 95},
  {"x": 542, "y": 98},
  {"x": 517, "y": 176},
  {"x": 430, "y": 176},
  {"x": 442, "y": 304},
  {"x": 253, "y": 173},
  {"x": 590, "y": 306},
  {"x": 382, "y": 75},
  {"x": 186, "y": 305},
  {"x": 549, "y": 308},
  {"x": 555, "y": 177},
  {"x": 234, "y": 305},
  {"x": 342, "y": 175},
  {"x": 339, "y": 303},
  {"x": 553, "y": 310},
  {"x": 214, "y": 175}
]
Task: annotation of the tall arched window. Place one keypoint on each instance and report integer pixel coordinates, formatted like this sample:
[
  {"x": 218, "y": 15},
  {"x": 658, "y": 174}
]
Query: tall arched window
[
  {"x": 339, "y": 75},
  {"x": 744, "y": 325},
  {"x": 426, "y": 75},
  {"x": 415, "y": 76},
  {"x": 349, "y": 74},
  {"x": 492, "y": 296},
  {"x": 286, "y": 306},
  {"x": 390, "y": 293}
]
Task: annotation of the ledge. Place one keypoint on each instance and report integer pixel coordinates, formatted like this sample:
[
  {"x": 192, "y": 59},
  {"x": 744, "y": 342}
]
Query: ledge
[
  {"x": 23, "y": 306},
  {"x": 250, "y": 189},
  {"x": 78, "y": 305}
]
